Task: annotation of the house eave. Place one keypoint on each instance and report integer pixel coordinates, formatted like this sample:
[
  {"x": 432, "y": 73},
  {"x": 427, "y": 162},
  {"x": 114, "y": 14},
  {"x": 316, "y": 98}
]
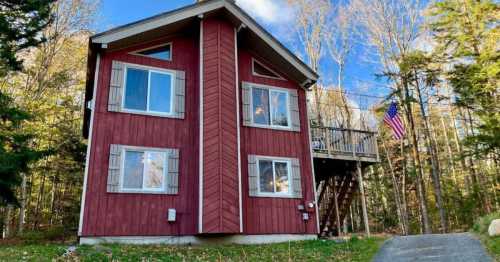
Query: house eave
[{"x": 156, "y": 21}]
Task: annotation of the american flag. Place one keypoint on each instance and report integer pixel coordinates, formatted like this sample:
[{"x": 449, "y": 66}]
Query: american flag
[{"x": 393, "y": 120}]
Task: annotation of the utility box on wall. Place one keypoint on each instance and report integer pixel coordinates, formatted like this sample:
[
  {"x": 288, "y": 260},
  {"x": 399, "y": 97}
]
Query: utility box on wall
[{"x": 171, "y": 215}]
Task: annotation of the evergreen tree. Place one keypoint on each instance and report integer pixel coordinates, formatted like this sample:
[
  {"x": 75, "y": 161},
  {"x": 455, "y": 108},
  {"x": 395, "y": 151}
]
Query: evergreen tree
[
  {"x": 16, "y": 152},
  {"x": 467, "y": 33},
  {"x": 20, "y": 26}
]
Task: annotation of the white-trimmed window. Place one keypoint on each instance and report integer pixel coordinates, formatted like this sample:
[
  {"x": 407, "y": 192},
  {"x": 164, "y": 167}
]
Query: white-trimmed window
[
  {"x": 270, "y": 106},
  {"x": 274, "y": 176},
  {"x": 271, "y": 176},
  {"x": 148, "y": 90},
  {"x": 143, "y": 170},
  {"x": 259, "y": 69},
  {"x": 162, "y": 52}
]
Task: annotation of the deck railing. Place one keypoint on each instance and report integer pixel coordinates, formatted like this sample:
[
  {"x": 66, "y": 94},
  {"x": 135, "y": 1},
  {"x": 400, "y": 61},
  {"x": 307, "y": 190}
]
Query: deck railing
[{"x": 341, "y": 141}]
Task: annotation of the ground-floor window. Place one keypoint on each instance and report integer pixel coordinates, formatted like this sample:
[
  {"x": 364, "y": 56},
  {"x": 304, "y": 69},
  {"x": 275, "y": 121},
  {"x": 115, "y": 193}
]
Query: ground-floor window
[
  {"x": 144, "y": 170},
  {"x": 274, "y": 176}
]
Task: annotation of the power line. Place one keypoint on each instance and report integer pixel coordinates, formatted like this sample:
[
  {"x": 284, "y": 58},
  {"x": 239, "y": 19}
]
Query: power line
[{"x": 386, "y": 97}]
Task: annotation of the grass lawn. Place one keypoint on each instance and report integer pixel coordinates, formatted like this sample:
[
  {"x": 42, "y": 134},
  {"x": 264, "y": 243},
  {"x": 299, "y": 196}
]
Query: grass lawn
[
  {"x": 492, "y": 244},
  {"x": 314, "y": 250}
]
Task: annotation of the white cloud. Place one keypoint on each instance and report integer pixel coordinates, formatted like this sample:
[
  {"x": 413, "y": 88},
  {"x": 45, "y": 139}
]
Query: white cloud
[
  {"x": 268, "y": 11},
  {"x": 424, "y": 43}
]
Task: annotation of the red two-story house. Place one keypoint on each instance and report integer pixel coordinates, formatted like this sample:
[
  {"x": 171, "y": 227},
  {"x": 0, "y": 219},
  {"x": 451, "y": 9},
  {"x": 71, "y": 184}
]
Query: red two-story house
[{"x": 198, "y": 131}]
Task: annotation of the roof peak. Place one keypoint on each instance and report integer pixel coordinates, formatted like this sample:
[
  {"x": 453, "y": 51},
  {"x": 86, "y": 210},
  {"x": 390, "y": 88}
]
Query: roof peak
[{"x": 198, "y": 9}]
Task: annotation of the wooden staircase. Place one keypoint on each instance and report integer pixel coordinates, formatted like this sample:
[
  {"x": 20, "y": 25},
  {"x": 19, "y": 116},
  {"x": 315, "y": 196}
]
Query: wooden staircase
[
  {"x": 345, "y": 187},
  {"x": 339, "y": 156}
]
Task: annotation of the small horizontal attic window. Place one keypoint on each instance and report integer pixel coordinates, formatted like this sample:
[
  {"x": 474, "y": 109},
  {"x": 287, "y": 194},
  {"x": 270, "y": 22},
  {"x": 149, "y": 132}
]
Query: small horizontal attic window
[
  {"x": 261, "y": 70},
  {"x": 163, "y": 52}
]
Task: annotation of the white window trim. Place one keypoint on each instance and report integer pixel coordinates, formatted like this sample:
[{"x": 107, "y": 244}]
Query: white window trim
[
  {"x": 270, "y": 89},
  {"x": 136, "y": 52},
  {"x": 144, "y": 150},
  {"x": 149, "y": 69},
  {"x": 274, "y": 160},
  {"x": 279, "y": 77}
]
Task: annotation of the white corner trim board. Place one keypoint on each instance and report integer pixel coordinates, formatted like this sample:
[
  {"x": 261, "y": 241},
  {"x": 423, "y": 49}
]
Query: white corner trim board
[
  {"x": 198, "y": 240},
  {"x": 200, "y": 160},
  {"x": 89, "y": 144},
  {"x": 238, "y": 132},
  {"x": 313, "y": 173}
]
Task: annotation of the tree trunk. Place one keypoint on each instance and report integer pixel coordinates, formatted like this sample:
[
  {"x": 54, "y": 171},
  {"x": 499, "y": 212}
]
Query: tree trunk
[
  {"x": 52, "y": 199},
  {"x": 451, "y": 165},
  {"x": 417, "y": 164},
  {"x": 451, "y": 162},
  {"x": 39, "y": 203},
  {"x": 22, "y": 209},
  {"x": 468, "y": 179},
  {"x": 403, "y": 187},
  {"x": 317, "y": 104},
  {"x": 352, "y": 217},
  {"x": 7, "y": 231},
  {"x": 435, "y": 174},
  {"x": 395, "y": 186},
  {"x": 481, "y": 176}
]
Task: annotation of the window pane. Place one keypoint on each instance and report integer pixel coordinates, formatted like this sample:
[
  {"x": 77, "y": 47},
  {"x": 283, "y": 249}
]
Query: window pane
[
  {"x": 266, "y": 176},
  {"x": 133, "y": 170},
  {"x": 136, "y": 89},
  {"x": 260, "y": 98},
  {"x": 162, "y": 52},
  {"x": 261, "y": 70},
  {"x": 160, "y": 92},
  {"x": 155, "y": 164},
  {"x": 282, "y": 183},
  {"x": 280, "y": 109}
]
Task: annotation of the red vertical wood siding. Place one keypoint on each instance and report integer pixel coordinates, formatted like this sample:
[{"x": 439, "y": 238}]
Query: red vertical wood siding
[
  {"x": 112, "y": 214},
  {"x": 276, "y": 215},
  {"x": 220, "y": 161}
]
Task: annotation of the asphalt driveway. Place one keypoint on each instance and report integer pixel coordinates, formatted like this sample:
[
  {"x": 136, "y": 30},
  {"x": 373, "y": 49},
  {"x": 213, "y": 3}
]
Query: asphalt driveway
[{"x": 437, "y": 248}]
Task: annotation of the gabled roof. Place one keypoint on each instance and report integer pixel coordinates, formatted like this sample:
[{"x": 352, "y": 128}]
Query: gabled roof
[
  {"x": 201, "y": 8},
  {"x": 263, "y": 41}
]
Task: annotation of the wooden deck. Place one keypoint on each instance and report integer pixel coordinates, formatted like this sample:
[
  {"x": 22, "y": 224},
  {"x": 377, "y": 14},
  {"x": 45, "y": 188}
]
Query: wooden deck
[
  {"x": 340, "y": 155},
  {"x": 344, "y": 144}
]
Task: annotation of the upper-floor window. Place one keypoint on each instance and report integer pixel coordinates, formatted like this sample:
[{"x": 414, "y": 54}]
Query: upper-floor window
[
  {"x": 259, "y": 69},
  {"x": 163, "y": 52},
  {"x": 270, "y": 107},
  {"x": 148, "y": 90}
]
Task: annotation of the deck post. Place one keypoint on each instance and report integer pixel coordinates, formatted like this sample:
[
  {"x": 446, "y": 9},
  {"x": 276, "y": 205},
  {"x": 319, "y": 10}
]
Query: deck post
[
  {"x": 363, "y": 199},
  {"x": 328, "y": 141},
  {"x": 353, "y": 143}
]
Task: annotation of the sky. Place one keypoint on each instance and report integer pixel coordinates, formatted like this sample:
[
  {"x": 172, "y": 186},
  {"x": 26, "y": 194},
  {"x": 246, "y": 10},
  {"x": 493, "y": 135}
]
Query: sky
[{"x": 359, "y": 74}]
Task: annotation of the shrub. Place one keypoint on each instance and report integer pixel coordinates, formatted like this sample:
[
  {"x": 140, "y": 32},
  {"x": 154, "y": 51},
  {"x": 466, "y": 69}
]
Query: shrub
[
  {"x": 49, "y": 234},
  {"x": 481, "y": 225}
]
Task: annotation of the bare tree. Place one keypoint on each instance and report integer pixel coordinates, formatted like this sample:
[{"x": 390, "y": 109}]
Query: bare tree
[
  {"x": 339, "y": 40},
  {"x": 390, "y": 28},
  {"x": 311, "y": 17}
]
